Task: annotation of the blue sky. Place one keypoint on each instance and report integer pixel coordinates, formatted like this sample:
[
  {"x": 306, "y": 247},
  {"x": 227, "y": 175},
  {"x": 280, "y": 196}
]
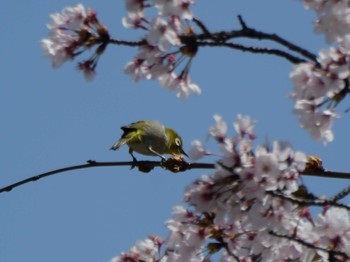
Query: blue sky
[{"x": 54, "y": 118}]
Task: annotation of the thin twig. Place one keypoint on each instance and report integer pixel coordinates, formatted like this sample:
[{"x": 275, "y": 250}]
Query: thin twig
[
  {"x": 328, "y": 174},
  {"x": 202, "y": 26},
  {"x": 127, "y": 43},
  {"x": 309, "y": 245},
  {"x": 257, "y": 50},
  {"x": 345, "y": 192},
  {"x": 242, "y": 23},
  {"x": 252, "y": 33},
  {"x": 306, "y": 202}
]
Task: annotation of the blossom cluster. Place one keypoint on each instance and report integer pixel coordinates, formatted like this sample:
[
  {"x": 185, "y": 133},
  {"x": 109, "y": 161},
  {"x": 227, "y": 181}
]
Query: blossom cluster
[
  {"x": 144, "y": 250},
  {"x": 333, "y": 18},
  {"x": 167, "y": 43},
  {"x": 252, "y": 208},
  {"x": 320, "y": 86},
  {"x": 73, "y": 31}
]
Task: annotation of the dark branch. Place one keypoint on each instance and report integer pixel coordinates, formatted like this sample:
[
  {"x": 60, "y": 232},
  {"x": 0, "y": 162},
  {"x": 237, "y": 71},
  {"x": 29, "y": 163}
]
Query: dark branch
[
  {"x": 344, "y": 193},
  {"x": 310, "y": 245},
  {"x": 293, "y": 59},
  {"x": 247, "y": 32},
  {"x": 144, "y": 166},
  {"x": 242, "y": 23},
  {"x": 171, "y": 164},
  {"x": 202, "y": 26},
  {"x": 327, "y": 174},
  {"x": 127, "y": 43},
  {"x": 306, "y": 202},
  {"x": 207, "y": 38}
]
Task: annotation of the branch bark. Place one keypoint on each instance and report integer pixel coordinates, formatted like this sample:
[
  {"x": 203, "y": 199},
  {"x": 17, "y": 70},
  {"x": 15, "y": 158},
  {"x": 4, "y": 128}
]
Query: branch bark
[
  {"x": 171, "y": 164},
  {"x": 224, "y": 39},
  {"x": 143, "y": 166}
]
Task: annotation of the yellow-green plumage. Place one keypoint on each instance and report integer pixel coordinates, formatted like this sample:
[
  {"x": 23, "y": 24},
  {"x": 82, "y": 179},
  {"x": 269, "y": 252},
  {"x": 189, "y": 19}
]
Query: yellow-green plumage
[{"x": 150, "y": 138}]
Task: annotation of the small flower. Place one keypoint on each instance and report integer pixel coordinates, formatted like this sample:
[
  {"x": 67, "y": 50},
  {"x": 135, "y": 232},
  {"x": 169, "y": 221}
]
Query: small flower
[
  {"x": 318, "y": 124},
  {"x": 71, "y": 18},
  {"x": 185, "y": 87},
  {"x": 244, "y": 125},
  {"x": 88, "y": 67},
  {"x": 136, "y": 69},
  {"x": 59, "y": 47},
  {"x": 162, "y": 35},
  {"x": 135, "y": 6},
  {"x": 197, "y": 150},
  {"x": 219, "y": 130},
  {"x": 333, "y": 226},
  {"x": 180, "y": 8}
]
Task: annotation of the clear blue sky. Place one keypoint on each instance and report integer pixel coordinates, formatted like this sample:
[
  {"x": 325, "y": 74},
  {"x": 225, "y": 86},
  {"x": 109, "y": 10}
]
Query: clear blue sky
[{"x": 54, "y": 118}]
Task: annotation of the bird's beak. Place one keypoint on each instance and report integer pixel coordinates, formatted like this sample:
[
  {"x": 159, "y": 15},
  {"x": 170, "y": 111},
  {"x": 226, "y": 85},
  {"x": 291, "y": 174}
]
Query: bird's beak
[{"x": 183, "y": 152}]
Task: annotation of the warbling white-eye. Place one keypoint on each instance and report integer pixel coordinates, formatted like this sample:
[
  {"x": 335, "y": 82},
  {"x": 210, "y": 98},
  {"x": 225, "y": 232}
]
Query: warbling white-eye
[{"x": 151, "y": 139}]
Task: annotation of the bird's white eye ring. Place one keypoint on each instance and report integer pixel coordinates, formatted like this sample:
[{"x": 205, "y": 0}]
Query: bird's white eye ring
[{"x": 177, "y": 142}]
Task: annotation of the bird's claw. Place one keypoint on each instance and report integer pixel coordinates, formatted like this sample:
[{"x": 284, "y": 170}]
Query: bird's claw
[
  {"x": 162, "y": 161},
  {"x": 134, "y": 163}
]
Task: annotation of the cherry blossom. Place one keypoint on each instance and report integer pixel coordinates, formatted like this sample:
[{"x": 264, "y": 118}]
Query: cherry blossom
[
  {"x": 73, "y": 31},
  {"x": 333, "y": 17},
  {"x": 320, "y": 87},
  {"x": 197, "y": 150},
  {"x": 219, "y": 130},
  {"x": 250, "y": 209},
  {"x": 244, "y": 126},
  {"x": 144, "y": 250},
  {"x": 71, "y": 17},
  {"x": 174, "y": 8},
  {"x": 162, "y": 35}
]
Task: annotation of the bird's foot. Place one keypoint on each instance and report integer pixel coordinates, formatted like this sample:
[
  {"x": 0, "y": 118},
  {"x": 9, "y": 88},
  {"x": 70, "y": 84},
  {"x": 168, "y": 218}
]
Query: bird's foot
[
  {"x": 134, "y": 162},
  {"x": 162, "y": 161}
]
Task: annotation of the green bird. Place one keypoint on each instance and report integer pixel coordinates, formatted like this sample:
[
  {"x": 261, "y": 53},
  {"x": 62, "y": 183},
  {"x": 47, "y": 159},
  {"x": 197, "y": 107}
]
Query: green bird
[{"x": 150, "y": 138}]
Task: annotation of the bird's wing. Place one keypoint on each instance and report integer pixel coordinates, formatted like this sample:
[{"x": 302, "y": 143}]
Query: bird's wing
[{"x": 131, "y": 132}]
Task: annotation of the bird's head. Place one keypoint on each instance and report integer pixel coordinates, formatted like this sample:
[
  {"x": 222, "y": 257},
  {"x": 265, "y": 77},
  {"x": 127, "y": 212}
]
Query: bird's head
[{"x": 174, "y": 146}]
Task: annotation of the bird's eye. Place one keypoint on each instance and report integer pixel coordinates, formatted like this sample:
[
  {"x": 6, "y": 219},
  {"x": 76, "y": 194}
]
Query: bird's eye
[{"x": 177, "y": 142}]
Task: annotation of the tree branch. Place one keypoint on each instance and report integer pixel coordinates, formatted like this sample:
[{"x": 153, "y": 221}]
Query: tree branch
[
  {"x": 252, "y": 33},
  {"x": 306, "y": 202},
  {"x": 327, "y": 174},
  {"x": 310, "y": 245},
  {"x": 344, "y": 193},
  {"x": 261, "y": 50},
  {"x": 127, "y": 43},
  {"x": 143, "y": 166},
  {"x": 222, "y": 38},
  {"x": 207, "y": 38},
  {"x": 171, "y": 164}
]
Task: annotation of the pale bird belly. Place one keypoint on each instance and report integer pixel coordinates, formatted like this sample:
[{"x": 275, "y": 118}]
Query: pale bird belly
[{"x": 143, "y": 148}]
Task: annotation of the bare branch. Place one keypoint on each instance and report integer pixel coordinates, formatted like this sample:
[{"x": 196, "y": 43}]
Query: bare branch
[
  {"x": 143, "y": 166},
  {"x": 174, "y": 165},
  {"x": 331, "y": 252},
  {"x": 248, "y": 32},
  {"x": 242, "y": 23},
  {"x": 306, "y": 202},
  {"x": 127, "y": 43},
  {"x": 327, "y": 174},
  {"x": 207, "y": 38},
  {"x": 344, "y": 193},
  {"x": 201, "y": 25},
  {"x": 251, "y": 49}
]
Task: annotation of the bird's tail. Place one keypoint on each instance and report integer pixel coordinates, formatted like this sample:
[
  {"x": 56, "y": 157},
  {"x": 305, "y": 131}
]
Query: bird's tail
[{"x": 118, "y": 144}]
